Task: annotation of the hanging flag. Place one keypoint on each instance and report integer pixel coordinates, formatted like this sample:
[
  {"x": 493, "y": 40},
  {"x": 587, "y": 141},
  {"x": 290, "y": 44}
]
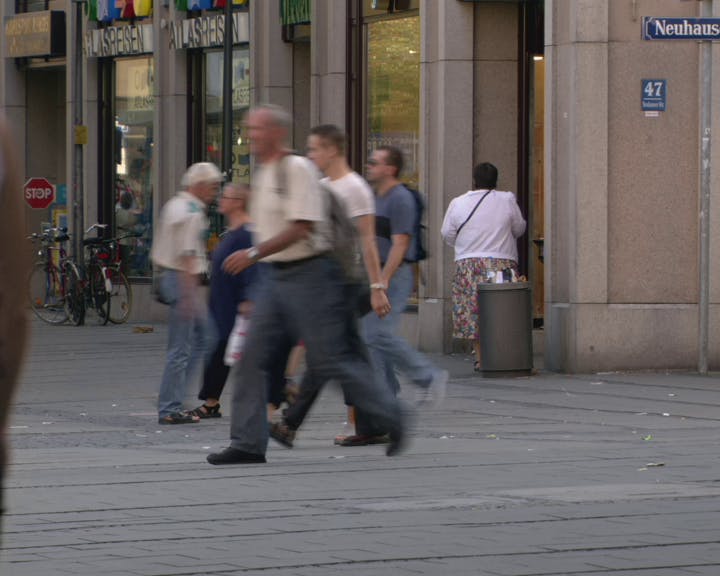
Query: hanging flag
[
  {"x": 107, "y": 11},
  {"x": 143, "y": 8},
  {"x": 126, "y": 7}
]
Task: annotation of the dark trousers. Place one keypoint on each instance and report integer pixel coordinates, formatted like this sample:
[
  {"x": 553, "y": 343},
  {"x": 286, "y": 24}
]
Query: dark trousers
[
  {"x": 308, "y": 302},
  {"x": 311, "y": 385},
  {"x": 216, "y": 373}
]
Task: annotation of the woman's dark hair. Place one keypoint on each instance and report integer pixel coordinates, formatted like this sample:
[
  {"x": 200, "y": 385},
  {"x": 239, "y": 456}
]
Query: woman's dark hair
[
  {"x": 485, "y": 176},
  {"x": 126, "y": 200}
]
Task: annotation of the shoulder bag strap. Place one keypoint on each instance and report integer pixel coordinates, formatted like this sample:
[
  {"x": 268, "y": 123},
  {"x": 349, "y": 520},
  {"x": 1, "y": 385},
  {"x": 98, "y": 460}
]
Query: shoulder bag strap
[{"x": 471, "y": 213}]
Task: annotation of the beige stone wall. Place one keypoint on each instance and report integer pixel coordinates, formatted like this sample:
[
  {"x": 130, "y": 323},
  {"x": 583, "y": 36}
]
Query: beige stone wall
[{"x": 622, "y": 207}]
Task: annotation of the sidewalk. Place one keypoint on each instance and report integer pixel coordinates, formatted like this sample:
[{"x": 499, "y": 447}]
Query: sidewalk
[{"x": 612, "y": 474}]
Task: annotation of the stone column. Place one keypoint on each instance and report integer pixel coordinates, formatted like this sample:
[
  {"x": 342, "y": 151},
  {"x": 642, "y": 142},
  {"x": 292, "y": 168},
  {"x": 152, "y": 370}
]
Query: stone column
[
  {"x": 446, "y": 150},
  {"x": 576, "y": 170},
  {"x": 271, "y": 59},
  {"x": 329, "y": 62}
]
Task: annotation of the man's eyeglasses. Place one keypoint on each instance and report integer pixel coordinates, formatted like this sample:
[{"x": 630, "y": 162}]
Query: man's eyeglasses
[{"x": 373, "y": 162}]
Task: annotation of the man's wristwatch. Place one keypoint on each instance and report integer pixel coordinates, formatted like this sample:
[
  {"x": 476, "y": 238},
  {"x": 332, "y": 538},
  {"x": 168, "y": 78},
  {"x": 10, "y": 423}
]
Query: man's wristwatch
[
  {"x": 253, "y": 253},
  {"x": 378, "y": 286}
]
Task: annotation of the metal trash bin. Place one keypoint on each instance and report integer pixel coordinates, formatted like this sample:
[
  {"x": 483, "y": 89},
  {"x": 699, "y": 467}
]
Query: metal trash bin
[{"x": 505, "y": 329}]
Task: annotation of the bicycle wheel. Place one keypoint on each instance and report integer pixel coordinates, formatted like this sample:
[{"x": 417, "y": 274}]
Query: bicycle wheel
[
  {"x": 120, "y": 296},
  {"x": 74, "y": 297},
  {"x": 98, "y": 297},
  {"x": 45, "y": 291}
]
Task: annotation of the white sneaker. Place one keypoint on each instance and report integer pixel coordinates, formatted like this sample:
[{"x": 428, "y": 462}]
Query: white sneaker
[{"x": 435, "y": 393}]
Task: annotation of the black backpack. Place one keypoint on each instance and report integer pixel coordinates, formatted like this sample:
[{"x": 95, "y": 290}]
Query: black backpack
[{"x": 419, "y": 229}]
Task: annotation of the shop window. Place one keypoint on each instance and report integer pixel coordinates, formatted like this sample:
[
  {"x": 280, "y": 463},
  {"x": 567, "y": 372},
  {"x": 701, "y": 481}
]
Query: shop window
[
  {"x": 133, "y": 160},
  {"x": 213, "y": 122},
  {"x": 393, "y": 89}
]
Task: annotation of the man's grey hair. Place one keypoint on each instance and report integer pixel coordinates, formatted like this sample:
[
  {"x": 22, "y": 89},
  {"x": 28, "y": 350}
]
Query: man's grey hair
[
  {"x": 201, "y": 173},
  {"x": 279, "y": 116}
]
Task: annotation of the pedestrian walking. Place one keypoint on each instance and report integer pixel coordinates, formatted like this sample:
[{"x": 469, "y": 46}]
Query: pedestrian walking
[
  {"x": 229, "y": 295},
  {"x": 14, "y": 268},
  {"x": 394, "y": 224},
  {"x": 326, "y": 148},
  {"x": 304, "y": 295},
  {"x": 483, "y": 226},
  {"x": 180, "y": 251}
]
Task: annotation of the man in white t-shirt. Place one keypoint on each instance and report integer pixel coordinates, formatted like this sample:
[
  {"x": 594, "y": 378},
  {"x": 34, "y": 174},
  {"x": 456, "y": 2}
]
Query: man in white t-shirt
[
  {"x": 326, "y": 148},
  {"x": 303, "y": 295},
  {"x": 180, "y": 250}
]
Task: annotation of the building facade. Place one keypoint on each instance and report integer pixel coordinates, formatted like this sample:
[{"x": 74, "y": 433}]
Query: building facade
[{"x": 551, "y": 91}]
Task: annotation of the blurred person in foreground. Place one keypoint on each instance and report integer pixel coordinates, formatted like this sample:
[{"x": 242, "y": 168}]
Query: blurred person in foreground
[
  {"x": 483, "y": 226},
  {"x": 14, "y": 269},
  {"x": 326, "y": 148},
  {"x": 303, "y": 295},
  {"x": 180, "y": 250}
]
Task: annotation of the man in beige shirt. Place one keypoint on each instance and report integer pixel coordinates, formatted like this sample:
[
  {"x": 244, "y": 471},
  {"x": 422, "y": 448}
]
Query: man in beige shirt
[
  {"x": 180, "y": 250},
  {"x": 303, "y": 295}
]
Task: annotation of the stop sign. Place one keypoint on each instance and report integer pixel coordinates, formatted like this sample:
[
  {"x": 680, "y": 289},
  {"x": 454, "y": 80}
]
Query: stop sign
[{"x": 39, "y": 193}]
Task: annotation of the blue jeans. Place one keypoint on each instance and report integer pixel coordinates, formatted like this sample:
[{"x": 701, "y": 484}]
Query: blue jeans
[
  {"x": 189, "y": 340},
  {"x": 388, "y": 350},
  {"x": 307, "y": 301}
]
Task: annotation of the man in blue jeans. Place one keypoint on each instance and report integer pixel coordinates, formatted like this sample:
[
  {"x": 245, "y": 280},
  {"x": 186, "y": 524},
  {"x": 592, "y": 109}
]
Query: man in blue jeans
[
  {"x": 394, "y": 223},
  {"x": 303, "y": 295},
  {"x": 180, "y": 250}
]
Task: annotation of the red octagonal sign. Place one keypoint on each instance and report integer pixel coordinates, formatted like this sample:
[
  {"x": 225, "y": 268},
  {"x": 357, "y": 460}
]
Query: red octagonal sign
[{"x": 39, "y": 193}]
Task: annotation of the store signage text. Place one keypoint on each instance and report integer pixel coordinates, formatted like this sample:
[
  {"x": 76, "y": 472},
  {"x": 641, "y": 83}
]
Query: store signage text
[
  {"x": 656, "y": 28},
  {"x": 119, "y": 41},
  {"x": 208, "y": 31},
  {"x": 36, "y": 34}
]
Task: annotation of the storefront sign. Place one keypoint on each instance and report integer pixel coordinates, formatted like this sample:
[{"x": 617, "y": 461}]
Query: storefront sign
[
  {"x": 36, "y": 34},
  {"x": 656, "y": 28},
  {"x": 208, "y": 31},
  {"x": 119, "y": 41}
]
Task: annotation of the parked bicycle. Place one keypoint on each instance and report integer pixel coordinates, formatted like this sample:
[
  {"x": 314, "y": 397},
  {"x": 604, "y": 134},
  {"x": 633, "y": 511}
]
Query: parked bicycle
[
  {"x": 93, "y": 290},
  {"x": 53, "y": 279},
  {"x": 105, "y": 255}
]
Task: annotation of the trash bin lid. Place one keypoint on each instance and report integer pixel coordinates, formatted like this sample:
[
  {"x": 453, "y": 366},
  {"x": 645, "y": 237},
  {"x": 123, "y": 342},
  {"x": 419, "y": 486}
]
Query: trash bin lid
[{"x": 504, "y": 286}]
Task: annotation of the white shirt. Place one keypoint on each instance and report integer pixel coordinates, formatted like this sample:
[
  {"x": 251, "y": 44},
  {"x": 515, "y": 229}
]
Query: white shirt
[
  {"x": 287, "y": 191},
  {"x": 355, "y": 194},
  {"x": 491, "y": 232},
  {"x": 182, "y": 231}
]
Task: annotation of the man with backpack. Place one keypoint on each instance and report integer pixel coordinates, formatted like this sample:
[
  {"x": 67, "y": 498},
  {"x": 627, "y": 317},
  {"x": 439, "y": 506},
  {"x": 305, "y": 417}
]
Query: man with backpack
[
  {"x": 395, "y": 220},
  {"x": 304, "y": 295}
]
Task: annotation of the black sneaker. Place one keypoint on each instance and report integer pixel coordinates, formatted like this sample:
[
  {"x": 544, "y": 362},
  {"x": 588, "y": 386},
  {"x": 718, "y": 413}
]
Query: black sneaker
[
  {"x": 398, "y": 441},
  {"x": 234, "y": 456}
]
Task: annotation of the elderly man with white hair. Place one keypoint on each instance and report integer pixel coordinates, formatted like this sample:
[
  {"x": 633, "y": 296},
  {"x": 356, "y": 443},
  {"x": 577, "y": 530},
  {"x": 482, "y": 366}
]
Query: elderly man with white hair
[{"x": 180, "y": 251}]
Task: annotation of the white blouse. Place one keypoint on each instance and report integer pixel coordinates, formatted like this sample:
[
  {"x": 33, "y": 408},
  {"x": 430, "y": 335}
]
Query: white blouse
[{"x": 491, "y": 232}]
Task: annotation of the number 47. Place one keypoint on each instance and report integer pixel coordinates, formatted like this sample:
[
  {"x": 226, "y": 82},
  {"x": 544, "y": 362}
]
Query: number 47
[{"x": 654, "y": 88}]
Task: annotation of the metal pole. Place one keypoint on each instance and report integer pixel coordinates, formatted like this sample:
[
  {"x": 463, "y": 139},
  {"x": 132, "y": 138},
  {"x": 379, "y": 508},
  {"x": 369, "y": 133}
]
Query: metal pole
[
  {"x": 705, "y": 162},
  {"x": 227, "y": 93},
  {"x": 78, "y": 213}
]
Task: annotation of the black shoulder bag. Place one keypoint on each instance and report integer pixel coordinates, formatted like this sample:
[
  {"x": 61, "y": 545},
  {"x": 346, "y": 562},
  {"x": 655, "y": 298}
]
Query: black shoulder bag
[{"x": 471, "y": 213}]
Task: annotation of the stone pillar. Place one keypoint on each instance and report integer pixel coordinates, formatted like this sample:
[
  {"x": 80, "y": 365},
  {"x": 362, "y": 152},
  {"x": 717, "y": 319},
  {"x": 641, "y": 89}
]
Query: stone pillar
[
  {"x": 446, "y": 149},
  {"x": 576, "y": 172},
  {"x": 271, "y": 59},
  {"x": 329, "y": 62},
  {"x": 171, "y": 132}
]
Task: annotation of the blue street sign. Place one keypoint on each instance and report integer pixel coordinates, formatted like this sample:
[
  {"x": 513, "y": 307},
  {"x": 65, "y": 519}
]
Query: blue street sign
[
  {"x": 653, "y": 95},
  {"x": 657, "y": 28}
]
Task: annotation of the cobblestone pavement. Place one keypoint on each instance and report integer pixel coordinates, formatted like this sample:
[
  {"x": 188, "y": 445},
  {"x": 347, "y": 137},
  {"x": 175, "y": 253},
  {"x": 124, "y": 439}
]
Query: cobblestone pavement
[{"x": 606, "y": 474}]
